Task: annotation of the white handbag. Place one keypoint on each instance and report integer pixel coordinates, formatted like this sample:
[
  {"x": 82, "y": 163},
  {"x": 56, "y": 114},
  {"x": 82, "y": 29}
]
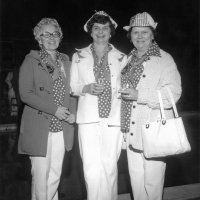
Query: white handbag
[{"x": 165, "y": 137}]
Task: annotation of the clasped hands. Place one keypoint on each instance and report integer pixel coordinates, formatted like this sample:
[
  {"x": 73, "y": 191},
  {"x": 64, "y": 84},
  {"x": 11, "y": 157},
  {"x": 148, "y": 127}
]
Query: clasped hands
[
  {"x": 129, "y": 94},
  {"x": 62, "y": 113},
  {"x": 93, "y": 89}
]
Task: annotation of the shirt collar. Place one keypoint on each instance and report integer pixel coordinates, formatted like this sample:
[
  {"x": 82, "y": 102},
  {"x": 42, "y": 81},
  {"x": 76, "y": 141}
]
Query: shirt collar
[{"x": 154, "y": 50}]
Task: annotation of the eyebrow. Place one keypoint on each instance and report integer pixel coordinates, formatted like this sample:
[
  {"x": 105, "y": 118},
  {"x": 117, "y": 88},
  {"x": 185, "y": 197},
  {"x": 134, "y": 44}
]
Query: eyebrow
[
  {"x": 102, "y": 26},
  {"x": 50, "y": 32}
]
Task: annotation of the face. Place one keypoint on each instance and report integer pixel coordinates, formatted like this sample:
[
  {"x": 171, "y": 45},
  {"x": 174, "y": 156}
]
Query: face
[
  {"x": 141, "y": 38},
  {"x": 49, "y": 38},
  {"x": 101, "y": 33}
]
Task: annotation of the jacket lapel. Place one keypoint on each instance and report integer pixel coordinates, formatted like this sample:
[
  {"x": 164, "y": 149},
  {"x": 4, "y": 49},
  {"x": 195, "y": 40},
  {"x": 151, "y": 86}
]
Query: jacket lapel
[{"x": 66, "y": 74}]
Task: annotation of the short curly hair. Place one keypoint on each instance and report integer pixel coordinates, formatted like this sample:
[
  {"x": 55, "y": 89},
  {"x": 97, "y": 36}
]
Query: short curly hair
[
  {"x": 43, "y": 22},
  {"x": 101, "y": 19}
]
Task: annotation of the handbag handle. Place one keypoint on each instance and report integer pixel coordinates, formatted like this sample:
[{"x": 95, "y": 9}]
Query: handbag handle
[{"x": 162, "y": 107}]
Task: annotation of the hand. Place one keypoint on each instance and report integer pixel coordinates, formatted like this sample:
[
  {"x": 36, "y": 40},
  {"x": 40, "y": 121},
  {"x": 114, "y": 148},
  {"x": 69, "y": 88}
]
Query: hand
[
  {"x": 93, "y": 89},
  {"x": 70, "y": 118},
  {"x": 129, "y": 94},
  {"x": 62, "y": 113}
]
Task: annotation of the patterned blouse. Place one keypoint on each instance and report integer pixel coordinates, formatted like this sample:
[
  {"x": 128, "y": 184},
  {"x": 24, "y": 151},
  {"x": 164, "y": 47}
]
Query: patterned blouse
[
  {"x": 54, "y": 69},
  {"x": 58, "y": 94},
  {"x": 102, "y": 72},
  {"x": 130, "y": 77}
]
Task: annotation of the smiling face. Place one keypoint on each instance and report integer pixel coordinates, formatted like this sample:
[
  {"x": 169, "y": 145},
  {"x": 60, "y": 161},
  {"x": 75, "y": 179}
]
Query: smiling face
[
  {"x": 49, "y": 38},
  {"x": 141, "y": 38},
  {"x": 101, "y": 33}
]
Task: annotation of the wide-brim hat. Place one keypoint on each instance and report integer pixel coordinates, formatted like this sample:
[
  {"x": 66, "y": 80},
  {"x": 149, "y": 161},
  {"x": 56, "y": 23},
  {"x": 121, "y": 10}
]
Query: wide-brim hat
[
  {"x": 141, "y": 19},
  {"x": 100, "y": 13}
]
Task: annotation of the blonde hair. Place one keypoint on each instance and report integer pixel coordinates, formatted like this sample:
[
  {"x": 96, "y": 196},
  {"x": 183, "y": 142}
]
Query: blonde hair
[{"x": 43, "y": 22}]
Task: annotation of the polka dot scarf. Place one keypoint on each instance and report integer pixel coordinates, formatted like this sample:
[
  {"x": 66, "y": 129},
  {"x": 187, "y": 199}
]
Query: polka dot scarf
[
  {"x": 54, "y": 69},
  {"x": 130, "y": 77},
  {"x": 102, "y": 72},
  {"x": 59, "y": 95}
]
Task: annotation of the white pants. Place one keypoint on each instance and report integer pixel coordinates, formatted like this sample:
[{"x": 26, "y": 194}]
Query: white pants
[
  {"x": 46, "y": 171},
  {"x": 147, "y": 176},
  {"x": 100, "y": 148}
]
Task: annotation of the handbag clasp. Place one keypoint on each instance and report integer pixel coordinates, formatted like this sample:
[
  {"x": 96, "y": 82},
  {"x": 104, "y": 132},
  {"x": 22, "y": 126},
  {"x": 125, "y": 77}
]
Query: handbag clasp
[{"x": 147, "y": 125}]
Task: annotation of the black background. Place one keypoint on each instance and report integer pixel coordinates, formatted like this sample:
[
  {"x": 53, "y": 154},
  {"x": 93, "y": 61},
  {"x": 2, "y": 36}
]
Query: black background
[
  {"x": 178, "y": 34},
  {"x": 178, "y": 31}
]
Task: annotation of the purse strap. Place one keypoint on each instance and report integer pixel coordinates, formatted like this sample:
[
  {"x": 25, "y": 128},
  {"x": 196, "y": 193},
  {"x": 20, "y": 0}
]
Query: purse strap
[{"x": 172, "y": 101}]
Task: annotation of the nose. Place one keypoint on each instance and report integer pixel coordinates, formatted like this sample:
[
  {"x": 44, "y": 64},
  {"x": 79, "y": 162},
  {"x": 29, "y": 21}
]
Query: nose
[
  {"x": 139, "y": 35},
  {"x": 100, "y": 30},
  {"x": 51, "y": 37}
]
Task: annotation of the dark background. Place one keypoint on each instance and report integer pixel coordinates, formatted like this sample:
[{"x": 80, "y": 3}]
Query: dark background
[
  {"x": 178, "y": 34},
  {"x": 178, "y": 31}
]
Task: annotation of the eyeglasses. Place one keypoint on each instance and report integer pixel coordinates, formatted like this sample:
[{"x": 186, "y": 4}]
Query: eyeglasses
[{"x": 55, "y": 34}]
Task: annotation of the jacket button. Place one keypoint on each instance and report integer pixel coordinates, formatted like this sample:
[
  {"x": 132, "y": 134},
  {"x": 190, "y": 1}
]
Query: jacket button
[
  {"x": 131, "y": 134},
  {"x": 133, "y": 122},
  {"x": 144, "y": 75},
  {"x": 41, "y": 88},
  {"x": 133, "y": 106}
]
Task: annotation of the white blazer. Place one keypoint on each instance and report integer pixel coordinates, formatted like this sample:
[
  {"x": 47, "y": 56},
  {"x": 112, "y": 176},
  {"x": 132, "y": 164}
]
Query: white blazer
[
  {"x": 159, "y": 73},
  {"x": 82, "y": 74}
]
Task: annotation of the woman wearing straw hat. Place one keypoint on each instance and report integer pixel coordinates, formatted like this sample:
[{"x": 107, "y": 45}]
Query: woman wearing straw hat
[
  {"x": 95, "y": 78},
  {"x": 149, "y": 69}
]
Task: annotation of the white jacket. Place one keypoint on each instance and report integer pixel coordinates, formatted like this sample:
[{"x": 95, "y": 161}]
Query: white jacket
[
  {"x": 159, "y": 73},
  {"x": 82, "y": 74}
]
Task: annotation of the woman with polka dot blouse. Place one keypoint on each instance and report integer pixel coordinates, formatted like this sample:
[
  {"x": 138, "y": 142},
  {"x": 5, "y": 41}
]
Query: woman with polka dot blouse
[
  {"x": 95, "y": 78},
  {"x": 47, "y": 125},
  {"x": 149, "y": 69}
]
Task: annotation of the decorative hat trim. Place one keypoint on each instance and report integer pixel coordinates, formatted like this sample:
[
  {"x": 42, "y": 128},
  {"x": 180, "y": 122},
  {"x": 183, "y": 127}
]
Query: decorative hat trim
[{"x": 100, "y": 13}]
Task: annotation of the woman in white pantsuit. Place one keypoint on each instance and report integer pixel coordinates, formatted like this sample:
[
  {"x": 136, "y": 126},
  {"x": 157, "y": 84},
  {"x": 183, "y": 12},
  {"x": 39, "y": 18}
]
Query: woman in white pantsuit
[
  {"x": 149, "y": 69},
  {"x": 95, "y": 78}
]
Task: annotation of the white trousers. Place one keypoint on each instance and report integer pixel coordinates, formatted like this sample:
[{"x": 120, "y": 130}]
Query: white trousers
[
  {"x": 46, "y": 171},
  {"x": 100, "y": 148},
  {"x": 146, "y": 175}
]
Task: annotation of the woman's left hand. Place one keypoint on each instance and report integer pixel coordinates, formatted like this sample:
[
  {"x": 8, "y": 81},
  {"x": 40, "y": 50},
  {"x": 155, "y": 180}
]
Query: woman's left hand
[
  {"x": 71, "y": 118},
  {"x": 130, "y": 94}
]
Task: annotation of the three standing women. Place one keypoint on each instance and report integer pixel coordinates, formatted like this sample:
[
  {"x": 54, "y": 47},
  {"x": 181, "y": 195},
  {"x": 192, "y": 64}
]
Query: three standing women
[{"x": 95, "y": 77}]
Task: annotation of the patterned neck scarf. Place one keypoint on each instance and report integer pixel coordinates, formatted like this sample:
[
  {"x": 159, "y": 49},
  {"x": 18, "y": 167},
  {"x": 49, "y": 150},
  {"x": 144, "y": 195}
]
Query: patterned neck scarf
[
  {"x": 100, "y": 66},
  {"x": 130, "y": 77},
  {"x": 53, "y": 67},
  {"x": 102, "y": 76}
]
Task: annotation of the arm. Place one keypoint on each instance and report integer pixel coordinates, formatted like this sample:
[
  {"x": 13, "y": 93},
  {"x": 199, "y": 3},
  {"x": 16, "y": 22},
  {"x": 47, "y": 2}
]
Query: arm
[
  {"x": 28, "y": 91},
  {"x": 75, "y": 82},
  {"x": 170, "y": 77},
  {"x": 77, "y": 87}
]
